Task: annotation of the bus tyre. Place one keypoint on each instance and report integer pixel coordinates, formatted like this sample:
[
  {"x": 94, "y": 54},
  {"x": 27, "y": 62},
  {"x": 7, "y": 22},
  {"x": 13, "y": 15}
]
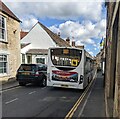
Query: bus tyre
[
  {"x": 43, "y": 82},
  {"x": 22, "y": 84}
]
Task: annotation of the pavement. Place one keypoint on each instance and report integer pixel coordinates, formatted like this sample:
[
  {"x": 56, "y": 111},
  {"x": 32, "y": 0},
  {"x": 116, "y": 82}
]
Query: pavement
[
  {"x": 9, "y": 84},
  {"x": 94, "y": 103}
]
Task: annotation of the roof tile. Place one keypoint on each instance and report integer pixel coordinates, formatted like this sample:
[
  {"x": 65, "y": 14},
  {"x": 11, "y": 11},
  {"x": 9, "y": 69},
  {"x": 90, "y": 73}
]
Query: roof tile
[
  {"x": 23, "y": 34},
  {"x": 24, "y": 45},
  {"x": 37, "y": 51},
  {"x": 59, "y": 41},
  {"x": 7, "y": 11}
]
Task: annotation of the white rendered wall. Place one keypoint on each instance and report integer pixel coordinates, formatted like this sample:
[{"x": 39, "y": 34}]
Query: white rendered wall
[{"x": 39, "y": 38}]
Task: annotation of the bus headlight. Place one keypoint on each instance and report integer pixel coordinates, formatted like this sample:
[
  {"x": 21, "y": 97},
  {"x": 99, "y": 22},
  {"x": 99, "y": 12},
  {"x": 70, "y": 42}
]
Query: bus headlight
[{"x": 81, "y": 79}]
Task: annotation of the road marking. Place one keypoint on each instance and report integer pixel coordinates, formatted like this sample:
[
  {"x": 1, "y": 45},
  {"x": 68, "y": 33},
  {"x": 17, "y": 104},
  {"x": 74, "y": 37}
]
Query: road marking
[
  {"x": 43, "y": 88},
  {"x": 74, "y": 108},
  {"x": 81, "y": 111},
  {"x": 32, "y": 92},
  {"x": 10, "y": 89},
  {"x": 11, "y": 101}
]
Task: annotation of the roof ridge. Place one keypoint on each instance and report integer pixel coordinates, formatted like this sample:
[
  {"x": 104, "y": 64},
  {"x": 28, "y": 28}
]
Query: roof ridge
[
  {"x": 7, "y": 11},
  {"x": 57, "y": 40}
]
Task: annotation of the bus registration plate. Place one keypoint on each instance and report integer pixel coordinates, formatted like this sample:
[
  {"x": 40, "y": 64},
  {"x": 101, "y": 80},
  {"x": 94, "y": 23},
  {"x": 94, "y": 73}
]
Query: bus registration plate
[{"x": 64, "y": 85}]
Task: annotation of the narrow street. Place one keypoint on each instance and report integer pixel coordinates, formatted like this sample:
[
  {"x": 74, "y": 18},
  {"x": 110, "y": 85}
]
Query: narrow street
[
  {"x": 33, "y": 101},
  {"x": 59, "y": 62}
]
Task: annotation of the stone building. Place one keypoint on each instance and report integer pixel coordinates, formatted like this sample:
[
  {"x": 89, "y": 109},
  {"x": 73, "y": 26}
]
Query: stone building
[
  {"x": 9, "y": 43},
  {"x": 112, "y": 69}
]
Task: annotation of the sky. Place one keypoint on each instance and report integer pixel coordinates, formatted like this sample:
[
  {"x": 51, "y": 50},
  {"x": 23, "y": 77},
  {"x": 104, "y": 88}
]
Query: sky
[{"x": 81, "y": 20}]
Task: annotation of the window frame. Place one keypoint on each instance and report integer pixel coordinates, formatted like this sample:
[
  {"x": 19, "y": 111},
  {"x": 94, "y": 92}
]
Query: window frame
[
  {"x": 23, "y": 58},
  {"x": 5, "y": 29},
  {"x": 6, "y": 61},
  {"x": 63, "y": 57},
  {"x": 39, "y": 59}
]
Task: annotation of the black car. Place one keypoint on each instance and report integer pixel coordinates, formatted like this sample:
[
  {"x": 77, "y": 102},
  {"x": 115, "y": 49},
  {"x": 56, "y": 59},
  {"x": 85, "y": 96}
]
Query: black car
[{"x": 32, "y": 73}]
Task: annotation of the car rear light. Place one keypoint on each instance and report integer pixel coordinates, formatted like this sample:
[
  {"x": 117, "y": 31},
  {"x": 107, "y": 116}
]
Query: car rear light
[{"x": 37, "y": 73}]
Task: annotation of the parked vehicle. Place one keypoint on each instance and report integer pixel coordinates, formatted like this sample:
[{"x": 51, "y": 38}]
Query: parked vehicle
[{"x": 32, "y": 73}]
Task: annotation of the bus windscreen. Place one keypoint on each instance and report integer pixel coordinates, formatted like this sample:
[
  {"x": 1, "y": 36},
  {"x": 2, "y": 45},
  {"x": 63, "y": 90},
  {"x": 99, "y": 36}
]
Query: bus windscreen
[{"x": 66, "y": 57}]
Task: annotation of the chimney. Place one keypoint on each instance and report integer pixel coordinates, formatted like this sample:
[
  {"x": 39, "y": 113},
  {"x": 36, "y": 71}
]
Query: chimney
[
  {"x": 73, "y": 43},
  {"x": 59, "y": 34},
  {"x": 68, "y": 40}
]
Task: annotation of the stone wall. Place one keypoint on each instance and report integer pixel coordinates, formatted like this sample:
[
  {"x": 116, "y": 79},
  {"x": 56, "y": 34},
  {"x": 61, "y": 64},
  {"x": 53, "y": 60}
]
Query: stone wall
[
  {"x": 12, "y": 47},
  {"x": 112, "y": 72},
  {"x": 117, "y": 85}
]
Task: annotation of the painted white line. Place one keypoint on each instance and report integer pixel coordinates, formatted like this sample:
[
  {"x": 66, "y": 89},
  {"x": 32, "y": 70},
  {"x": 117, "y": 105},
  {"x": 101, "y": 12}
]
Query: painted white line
[
  {"x": 11, "y": 101},
  {"x": 71, "y": 112},
  {"x": 83, "y": 107},
  {"x": 84, "y": 104},
  {"x": 10, "y": 89},
  {"x": 32, "y": 92},
  {"x": 43, "y": 88}
]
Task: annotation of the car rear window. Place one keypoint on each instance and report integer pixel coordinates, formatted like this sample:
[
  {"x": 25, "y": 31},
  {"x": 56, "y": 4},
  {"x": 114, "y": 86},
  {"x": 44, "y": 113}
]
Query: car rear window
[
  {"x": 27, "y": 68},
  {"x": 42, "y": 67}
]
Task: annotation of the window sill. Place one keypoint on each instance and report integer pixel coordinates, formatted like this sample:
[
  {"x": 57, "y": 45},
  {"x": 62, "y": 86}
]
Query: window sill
[
  {"x": 4, "y": 75},
  {"x": 3, "y": 41}
]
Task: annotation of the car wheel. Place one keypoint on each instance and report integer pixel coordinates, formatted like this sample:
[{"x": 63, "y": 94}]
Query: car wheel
[
  {"x": 44, "y": 82},
  {"x": 22, "y": 84}
]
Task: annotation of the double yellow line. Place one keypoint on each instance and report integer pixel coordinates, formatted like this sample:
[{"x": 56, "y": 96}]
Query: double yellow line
[{"x": 74, "y": 108}]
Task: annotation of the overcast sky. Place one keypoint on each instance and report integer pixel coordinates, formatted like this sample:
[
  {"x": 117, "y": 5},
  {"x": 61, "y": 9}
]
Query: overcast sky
[{"x": 84, "y": 22}]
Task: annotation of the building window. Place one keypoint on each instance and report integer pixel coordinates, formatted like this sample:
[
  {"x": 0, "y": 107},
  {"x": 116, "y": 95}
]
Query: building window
[
  {"x": 2, "y": 28},
  {"x": 23, "y": 58},
  {"x": 3, "y": 64},
  {"x": 40, "y": 60},
  {"x": 29, "y": 59}
]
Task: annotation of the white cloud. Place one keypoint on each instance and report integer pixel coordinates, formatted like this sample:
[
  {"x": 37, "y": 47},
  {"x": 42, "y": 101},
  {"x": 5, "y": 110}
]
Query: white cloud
[
  {"x": 58, "y": 10},
  {"x": 88, "y": 41},
  {"x": 80, "y": 43},
  {"x": 83, "y": 33},
  {"x": 83, "y": 20},
  {"x": 59, "y": 1},
  {"x": 95, "y": 48},
  {"x": 88, "y": 49},
  {"x": 55, "y": 29},
  {"x": 91, "y": 53},
  {"x": 29, "y": 22}
]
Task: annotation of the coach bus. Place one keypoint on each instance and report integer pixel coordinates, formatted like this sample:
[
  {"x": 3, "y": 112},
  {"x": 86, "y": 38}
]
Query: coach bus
[{"x": 69, "y": 67}]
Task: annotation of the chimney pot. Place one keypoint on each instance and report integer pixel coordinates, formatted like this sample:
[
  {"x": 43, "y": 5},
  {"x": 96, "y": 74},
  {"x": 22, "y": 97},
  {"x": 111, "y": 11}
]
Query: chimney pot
[
  {"x": 59, "y": 34},
  {"x": 68, "y": 40},
  {"x": 73, "y": 43}
]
